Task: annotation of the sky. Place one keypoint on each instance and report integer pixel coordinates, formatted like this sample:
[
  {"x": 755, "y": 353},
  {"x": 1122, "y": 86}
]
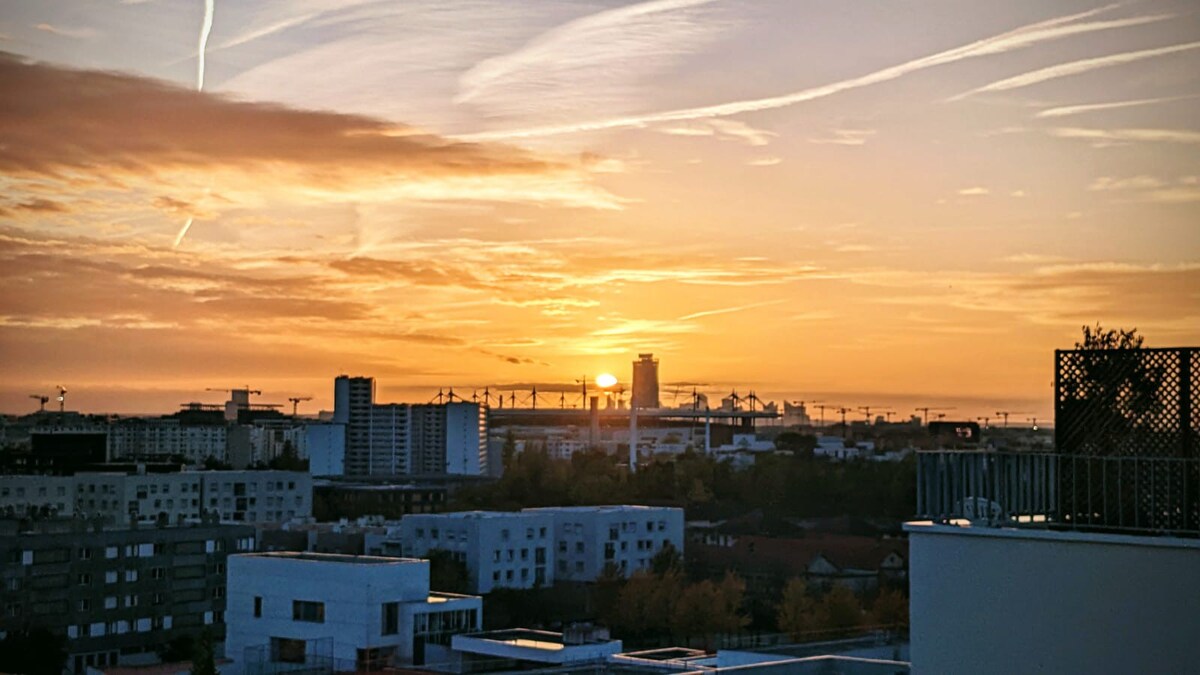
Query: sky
[{"x": 894, "y": 203}]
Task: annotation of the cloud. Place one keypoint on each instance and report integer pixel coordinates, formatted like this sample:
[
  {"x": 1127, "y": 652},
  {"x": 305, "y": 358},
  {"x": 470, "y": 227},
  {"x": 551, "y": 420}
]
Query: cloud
[
  {"x": 63, "y": 31},
  {"x": 846, "y": 137},
  {"x": 1105, "y": 137},
  {"x": 594, "y": 60},
  {"x": 1019, "y": 38},
  {"x": 765, "y": 161},
  {"x": 1132, "y": 183},
  {"x": 974, "y": 191},
  {"x": 728, "y": 310},
  {"x": 111, "y": 128},
  {"x": 1073, "y": 68},
  {"x": 1063, "y": 111}
]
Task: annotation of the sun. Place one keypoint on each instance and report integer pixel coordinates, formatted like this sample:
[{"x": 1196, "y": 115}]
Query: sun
[{"x": 606, "y": 380}]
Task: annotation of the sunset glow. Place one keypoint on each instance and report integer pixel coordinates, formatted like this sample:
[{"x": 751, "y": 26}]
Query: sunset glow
[{"x": 879, "y": 203}]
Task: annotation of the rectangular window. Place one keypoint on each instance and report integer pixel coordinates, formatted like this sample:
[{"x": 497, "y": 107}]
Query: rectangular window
[
  {"x": 391, "y": 618},
  {"x": 311, "y": 612},
  {"x": 257, "y": 606},
  {"x": 287, "y": 650}
]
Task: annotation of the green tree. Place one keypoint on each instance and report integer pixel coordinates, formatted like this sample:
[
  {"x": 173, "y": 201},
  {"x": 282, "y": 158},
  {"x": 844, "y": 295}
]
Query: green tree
[
  {"x": 666, "y": 560},
  {"x": 801, "y": 445},
  {"x": 729, "y": 616},
  {"x": 288, "y": 459},
  {"x": 34, "y": 651},
  {"x": 447, "y": 573},
  {"x": 204, "y": 657},
  {"x": 797, "y": 610},
  {"x": 1118, "y": 338}
]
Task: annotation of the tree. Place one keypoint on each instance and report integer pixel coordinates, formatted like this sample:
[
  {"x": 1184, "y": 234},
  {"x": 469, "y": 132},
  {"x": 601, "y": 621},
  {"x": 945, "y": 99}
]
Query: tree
[
  {"x": 447, "y": 573},
  {"x": 1119, "y": 338},
  {"x": 666, "y": 560},
  {"x": 509, "y": 451},
  {"x": 203, "y": 657},
  {"x": 801, "y": 445},
  {"x": 890, "y": 609},
  {"x": 840, "y": 609},
  {"x": 34, "y": 651},
  {"x": 288, "y": 459},
  {"x": 728, "y": 614},
  {"x": 797, "y": 611}
]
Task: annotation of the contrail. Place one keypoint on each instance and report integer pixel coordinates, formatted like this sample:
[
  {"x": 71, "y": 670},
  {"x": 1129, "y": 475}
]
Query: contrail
[
  {"x": 205, "y": 29},
  {"x": 1019, "y": 38}
]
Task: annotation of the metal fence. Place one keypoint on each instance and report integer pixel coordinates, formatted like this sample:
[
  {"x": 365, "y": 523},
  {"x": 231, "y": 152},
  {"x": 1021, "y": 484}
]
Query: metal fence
[{"x": 1144, "y": 495}]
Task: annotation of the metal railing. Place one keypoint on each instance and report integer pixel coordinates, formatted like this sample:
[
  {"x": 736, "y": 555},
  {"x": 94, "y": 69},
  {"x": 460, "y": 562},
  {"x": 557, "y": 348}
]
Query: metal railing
[{"x": 1138, "y": 495}]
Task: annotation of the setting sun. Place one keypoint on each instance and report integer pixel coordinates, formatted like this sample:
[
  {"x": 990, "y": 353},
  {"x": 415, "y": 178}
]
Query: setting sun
[{"x": 606, "y": 380}]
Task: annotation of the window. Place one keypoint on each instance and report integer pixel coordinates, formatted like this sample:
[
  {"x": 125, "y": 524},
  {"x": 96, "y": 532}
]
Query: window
[
  {"x": 391, "y": 618},
  {"x": 85, "y": 579},
  {"x": 304, "y": 610},
  {"x": 85, "y": 554},
  {"x": 110, "y": 552},
  {"x": 504, "y": 535},
  {"x": 130, "y": 575},
  {"x": 158, "y": 573},
  {"x": 257, "y": 606},
  {"x": 110, "y": 577},
  {"x": 529, "y": 533}
]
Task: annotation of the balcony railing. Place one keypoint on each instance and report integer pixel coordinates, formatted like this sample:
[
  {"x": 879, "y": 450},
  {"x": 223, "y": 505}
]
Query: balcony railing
[{"x": 1140, "y": 495}]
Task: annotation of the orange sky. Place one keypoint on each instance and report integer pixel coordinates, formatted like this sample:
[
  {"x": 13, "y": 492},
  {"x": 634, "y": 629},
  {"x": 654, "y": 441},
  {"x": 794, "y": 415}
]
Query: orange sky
[{"x": 887, "y": 203}]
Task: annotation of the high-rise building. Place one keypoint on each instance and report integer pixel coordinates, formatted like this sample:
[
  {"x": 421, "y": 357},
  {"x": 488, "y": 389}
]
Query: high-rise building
[
  {"x": 353, "y": 398},
  {"x": 400, "y": 438},
  {"x": 645, "y": 382}
]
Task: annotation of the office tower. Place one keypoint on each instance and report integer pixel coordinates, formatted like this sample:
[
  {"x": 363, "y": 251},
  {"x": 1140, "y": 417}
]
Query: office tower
[{"x": 645, "y": 382}]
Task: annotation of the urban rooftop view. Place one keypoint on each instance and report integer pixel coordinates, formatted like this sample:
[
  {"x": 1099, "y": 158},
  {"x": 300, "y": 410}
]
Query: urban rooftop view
[{"x": 611, "y": 337}]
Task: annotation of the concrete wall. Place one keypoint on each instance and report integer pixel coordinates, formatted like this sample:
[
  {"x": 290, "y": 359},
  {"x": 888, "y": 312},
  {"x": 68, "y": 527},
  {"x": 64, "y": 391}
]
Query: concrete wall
[{"x": 992, "y": 600}]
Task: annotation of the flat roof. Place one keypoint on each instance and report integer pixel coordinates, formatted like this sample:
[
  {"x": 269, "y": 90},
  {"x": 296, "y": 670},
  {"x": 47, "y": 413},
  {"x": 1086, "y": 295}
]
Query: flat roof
[
  {"x": 964, "y": 528},
  {"x": 475, "y": 515},
  {"x": 341, "y": 558}
]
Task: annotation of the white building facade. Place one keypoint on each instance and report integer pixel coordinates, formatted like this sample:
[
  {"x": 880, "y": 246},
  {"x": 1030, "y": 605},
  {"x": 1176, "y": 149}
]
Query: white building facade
[
  {"x": 499, "y": 549},
  {"x": 589, "y": 538},
  {"x": 295, "y": 610}
]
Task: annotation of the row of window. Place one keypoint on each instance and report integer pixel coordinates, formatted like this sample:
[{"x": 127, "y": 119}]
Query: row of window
[
  {"x": 539, "y": 555},
  {"x": 141, "y": 625}
]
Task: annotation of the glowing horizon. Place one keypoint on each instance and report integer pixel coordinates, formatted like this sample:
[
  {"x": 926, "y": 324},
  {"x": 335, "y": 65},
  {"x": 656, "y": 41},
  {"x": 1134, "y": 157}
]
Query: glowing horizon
[{"x": 858, "y": 203}]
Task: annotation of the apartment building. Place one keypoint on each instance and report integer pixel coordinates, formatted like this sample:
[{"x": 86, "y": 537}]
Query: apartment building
[
  {"x": 499, "y": 549},
  {"x": 178, "y": 497},
  {"x": 589, "y": 538},
  {"x": 117, "y": 595}
]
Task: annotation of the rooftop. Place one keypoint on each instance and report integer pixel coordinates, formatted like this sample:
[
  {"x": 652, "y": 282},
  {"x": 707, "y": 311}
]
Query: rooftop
[{"x": 339, "y": 558}]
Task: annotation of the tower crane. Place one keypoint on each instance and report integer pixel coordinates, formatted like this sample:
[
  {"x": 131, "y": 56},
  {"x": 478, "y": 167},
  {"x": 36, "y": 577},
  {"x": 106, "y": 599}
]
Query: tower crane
[
  {"x": 822, "y": 408},
  {"x": 62, "y": 398},
  {"x": 42, "y": 400},
  {"x": 985, "y": 419},
  {"x": 926, "y": 409},
  {"x": 246, "y": 389},
  {"x": 296, "y": 402},
  {"x": 866, "y": 410},
  {"x": 1003, "y": 414}
]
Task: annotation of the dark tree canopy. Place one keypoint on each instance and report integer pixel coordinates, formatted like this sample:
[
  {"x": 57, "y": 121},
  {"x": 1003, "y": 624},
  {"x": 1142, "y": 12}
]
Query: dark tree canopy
[{"x": 1118, "y": 338}]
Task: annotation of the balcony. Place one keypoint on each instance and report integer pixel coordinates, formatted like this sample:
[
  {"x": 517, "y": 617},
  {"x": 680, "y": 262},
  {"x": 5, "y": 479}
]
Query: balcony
[{"x": 1120, "y": 494}]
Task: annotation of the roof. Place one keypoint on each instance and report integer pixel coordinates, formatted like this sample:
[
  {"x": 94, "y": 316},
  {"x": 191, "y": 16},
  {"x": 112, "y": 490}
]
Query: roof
[
  {"x": 340, "y": 558},
  {"x": 845, "y": 552}
]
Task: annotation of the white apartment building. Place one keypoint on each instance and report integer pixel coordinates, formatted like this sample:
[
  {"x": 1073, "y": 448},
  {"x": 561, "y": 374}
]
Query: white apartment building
[
  {"x": 500, "y": 549},
  {"x": 292, "y": 611},
  {"x": 588, "y": 538},
  {"x": 325, "y": 449},
  {"x": 236, "y": 496}
]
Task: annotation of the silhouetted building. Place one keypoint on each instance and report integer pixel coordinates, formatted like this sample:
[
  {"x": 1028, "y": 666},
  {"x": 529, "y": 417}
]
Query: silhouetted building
[
  {"x": 66, "y": 452},
  {"x": 645, "y": 382}
]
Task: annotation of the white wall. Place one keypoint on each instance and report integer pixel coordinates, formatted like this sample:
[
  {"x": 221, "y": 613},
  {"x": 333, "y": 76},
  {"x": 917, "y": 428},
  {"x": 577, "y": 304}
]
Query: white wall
[
  {"x": 326, "y": 445},
  {"x": 992, "y": 600}
]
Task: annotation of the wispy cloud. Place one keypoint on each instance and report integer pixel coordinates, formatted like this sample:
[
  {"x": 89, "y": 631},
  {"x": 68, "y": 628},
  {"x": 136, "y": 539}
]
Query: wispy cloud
[
  {"x": 765, "y": 161},
  {"x": 594, "y": 59},
  {"x": 846, "y": 137},
  {"x": 974, "y": 191},
  {"x": 1019, "y": 38},
  {"x": 1074, "y": 68},
  {"x": 1063, "y": 111},
  {"x": 68, "y": 32},
  {"x": 728, "y": 310},
  {"x": 1103, "y": 137}
]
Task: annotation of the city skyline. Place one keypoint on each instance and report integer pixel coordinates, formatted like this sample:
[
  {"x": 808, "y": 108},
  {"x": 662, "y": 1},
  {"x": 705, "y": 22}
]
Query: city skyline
[{"x": 899, "y": 204}]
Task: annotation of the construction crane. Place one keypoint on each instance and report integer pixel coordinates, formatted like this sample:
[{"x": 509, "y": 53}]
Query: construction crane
[
  {"x": 62, "y": 398},
  {"x": 582, "y": 381},
  {"x": 985, "y": 419},
  {"x": 843, "y": 410},
  {"x": 246, "y": 389},
  {"x": 926, "y": 409},
  {"x": 296, "y": 402},
  {"x": 822, "y": 408},
  {"x": 1033, "y": 422},
  {"x": 1003, "y": 414},
  {"x": 866, "y": 410},
  {"x": 42, "y": 400}
]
